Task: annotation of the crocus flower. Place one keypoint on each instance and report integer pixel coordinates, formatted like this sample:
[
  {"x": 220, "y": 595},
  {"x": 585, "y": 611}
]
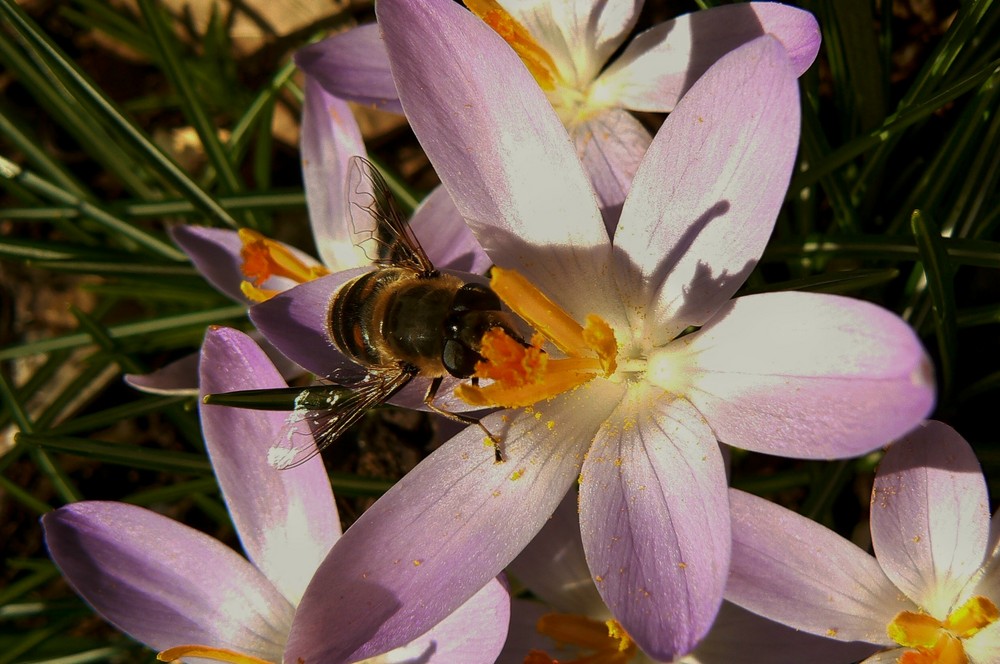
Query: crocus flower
[
  {"x": 182, "y": 592},
  {"x": 569, "y": 622},
  {"x": 931, "y": 592},
  {"x": 249, "y": 267},
  {"x": 630, "y": 406},
  {"x": 566, "y": 46}
]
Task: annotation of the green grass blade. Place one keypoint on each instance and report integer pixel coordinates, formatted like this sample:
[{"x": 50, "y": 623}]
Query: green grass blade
[
  {"x": 940, "y": 284},
  {"x": 79, "y": 84},
  {"x": 129, "y": 330},
  {"x": 119, "y": 453},
  {"x": 194, "y": 111},
  {"x": 115, "y": 226}
]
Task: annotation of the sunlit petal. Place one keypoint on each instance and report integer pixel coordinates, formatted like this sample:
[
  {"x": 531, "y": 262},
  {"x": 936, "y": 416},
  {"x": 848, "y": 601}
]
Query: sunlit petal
[
  {"x": 655, "y": 521},
  {"x": 793, "y": 570},
  {"x": 164, "y": 583},
  {"x": 802, "y": 375},
  {"x": 286, "y": 519},
  {"x": 330, "y": 137},
  {"x": 705, "y": 198},
  {"x": 391, "y": 588},
  {"x": 580, "y": 35},
  {"x": 662, "y": 63},
  {"x": 495, "y": 146},
  {"x": 930, "y": 516}
]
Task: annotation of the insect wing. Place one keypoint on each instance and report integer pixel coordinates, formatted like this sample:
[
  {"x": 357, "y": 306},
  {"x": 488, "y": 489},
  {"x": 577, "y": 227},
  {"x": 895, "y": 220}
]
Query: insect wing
[
  {"x": 379, "y": 228},
  {"x": 314, "y": 426}
]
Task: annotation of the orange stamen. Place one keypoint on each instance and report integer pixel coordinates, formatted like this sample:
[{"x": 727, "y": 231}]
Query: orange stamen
[
  {"x": 608, "y": 641},
  {"x": 940, "y": 642},
  {"x": 527, "y": 375},
  {"x": 208, "y": 652},
  {"x": 535, "y": 58},
  {"x": 264, "y": 258}
]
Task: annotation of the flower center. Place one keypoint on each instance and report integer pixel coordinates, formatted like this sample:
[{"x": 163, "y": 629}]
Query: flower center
[
  {"x": 208, "y": 652},
  {"x": 524, "y": 376},
  {"x": 532, "y": 54},
  {"x": 570, "y": 100},
  {"x": 264, "y": 258},
  {"x": 940, "y": 642},
  {"x": 607, "y": 642}
]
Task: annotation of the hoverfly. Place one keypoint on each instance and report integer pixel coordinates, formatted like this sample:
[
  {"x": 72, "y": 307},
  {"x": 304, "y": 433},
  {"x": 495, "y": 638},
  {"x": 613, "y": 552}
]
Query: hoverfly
[{"x": 402, "y": 320}]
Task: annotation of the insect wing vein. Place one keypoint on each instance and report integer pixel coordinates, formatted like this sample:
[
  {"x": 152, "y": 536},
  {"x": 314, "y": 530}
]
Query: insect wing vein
[
  {"x": 307, "y": 432},
  {"x": 377, "y": 221}
]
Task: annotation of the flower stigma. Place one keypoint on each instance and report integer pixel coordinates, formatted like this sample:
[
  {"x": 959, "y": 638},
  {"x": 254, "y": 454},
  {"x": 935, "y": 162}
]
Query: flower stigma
[
  {"x": 264, "y": 258},
  {"x": 523, "y": 376},
  {"x": 607, "y": 642},
  {"x": 208, "y": 652},
  {"x": 940, "y": 641}
]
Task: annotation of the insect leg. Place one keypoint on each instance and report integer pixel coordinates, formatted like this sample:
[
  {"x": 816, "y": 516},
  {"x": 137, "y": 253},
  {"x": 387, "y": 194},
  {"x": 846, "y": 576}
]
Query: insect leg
[{"x": 458, "y": 417}]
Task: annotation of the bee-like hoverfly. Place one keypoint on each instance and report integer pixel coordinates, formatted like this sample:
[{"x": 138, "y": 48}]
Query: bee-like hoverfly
[{"x": 402, "y": 320}]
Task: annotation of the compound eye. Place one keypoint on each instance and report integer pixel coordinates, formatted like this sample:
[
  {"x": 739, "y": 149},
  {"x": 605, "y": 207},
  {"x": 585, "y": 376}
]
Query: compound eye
[
  {"x": 475, "y": 297},
  {"x": 459, "y": 359}
]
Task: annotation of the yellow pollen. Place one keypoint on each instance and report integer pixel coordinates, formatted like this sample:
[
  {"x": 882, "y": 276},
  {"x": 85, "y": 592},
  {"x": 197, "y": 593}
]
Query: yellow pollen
[
  {"x": 606, "y": 643},
  {"x": 208, "y": 652},
  {"x": 940, "y": 642},
  {"x": 264, "y": 258},
  {"x": 535, "y": 58}
]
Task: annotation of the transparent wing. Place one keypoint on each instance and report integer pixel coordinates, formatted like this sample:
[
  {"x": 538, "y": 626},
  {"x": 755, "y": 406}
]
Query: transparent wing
[
  {"x": 318, "y": 422},
  {"x": 379, "y": 228}
]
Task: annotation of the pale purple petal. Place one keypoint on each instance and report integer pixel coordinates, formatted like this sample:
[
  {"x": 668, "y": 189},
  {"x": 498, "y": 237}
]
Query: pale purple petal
[
  {"x": 580, "y": 35},
  {"x": 445, "y": 237},
  {"x": 989, "y": 583},
  {"x": 611, "y": 145},
  {"x": 523, "y": 635},
  {"x": 445, "y": 529},
  {"x": 177, "y": 378},
  {"x": 295, "y": 322},
  {"x": 286, "y": 519},
  {"x": 741, "y": 637},
  {"x": 930, "y": 516},
  {"x": 499, "y": 148},
  {"x": 803, "y": 375},
  {"x": 983, "y": 647},
  {"x": 473, "y": 634},
  {"x": 554, "y": 567},
  {"x": 215, "y": 253},
  {"x": 655, "y": 522},
  {"x": 662, "y": 63},
  {"x": 793, "y": 570},
  {"x": 330, "y": 137},
  {"x": 163, "y": 583},
  {"x": 353, "y": 65},
  {"x": 707, "y": 194}
]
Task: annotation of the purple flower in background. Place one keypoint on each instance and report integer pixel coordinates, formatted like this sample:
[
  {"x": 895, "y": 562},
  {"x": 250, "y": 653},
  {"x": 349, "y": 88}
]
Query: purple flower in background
[
  {"x": 629, "y": 404},
  {"x": 931, "y": 591},
  {"x": 252, "y": 268},
  {"x": 566, "y": 46},
  {"x": 249, "y": 267},
  {"x": 571, "y": 621},
  {"x": 180, "y": 591}
]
